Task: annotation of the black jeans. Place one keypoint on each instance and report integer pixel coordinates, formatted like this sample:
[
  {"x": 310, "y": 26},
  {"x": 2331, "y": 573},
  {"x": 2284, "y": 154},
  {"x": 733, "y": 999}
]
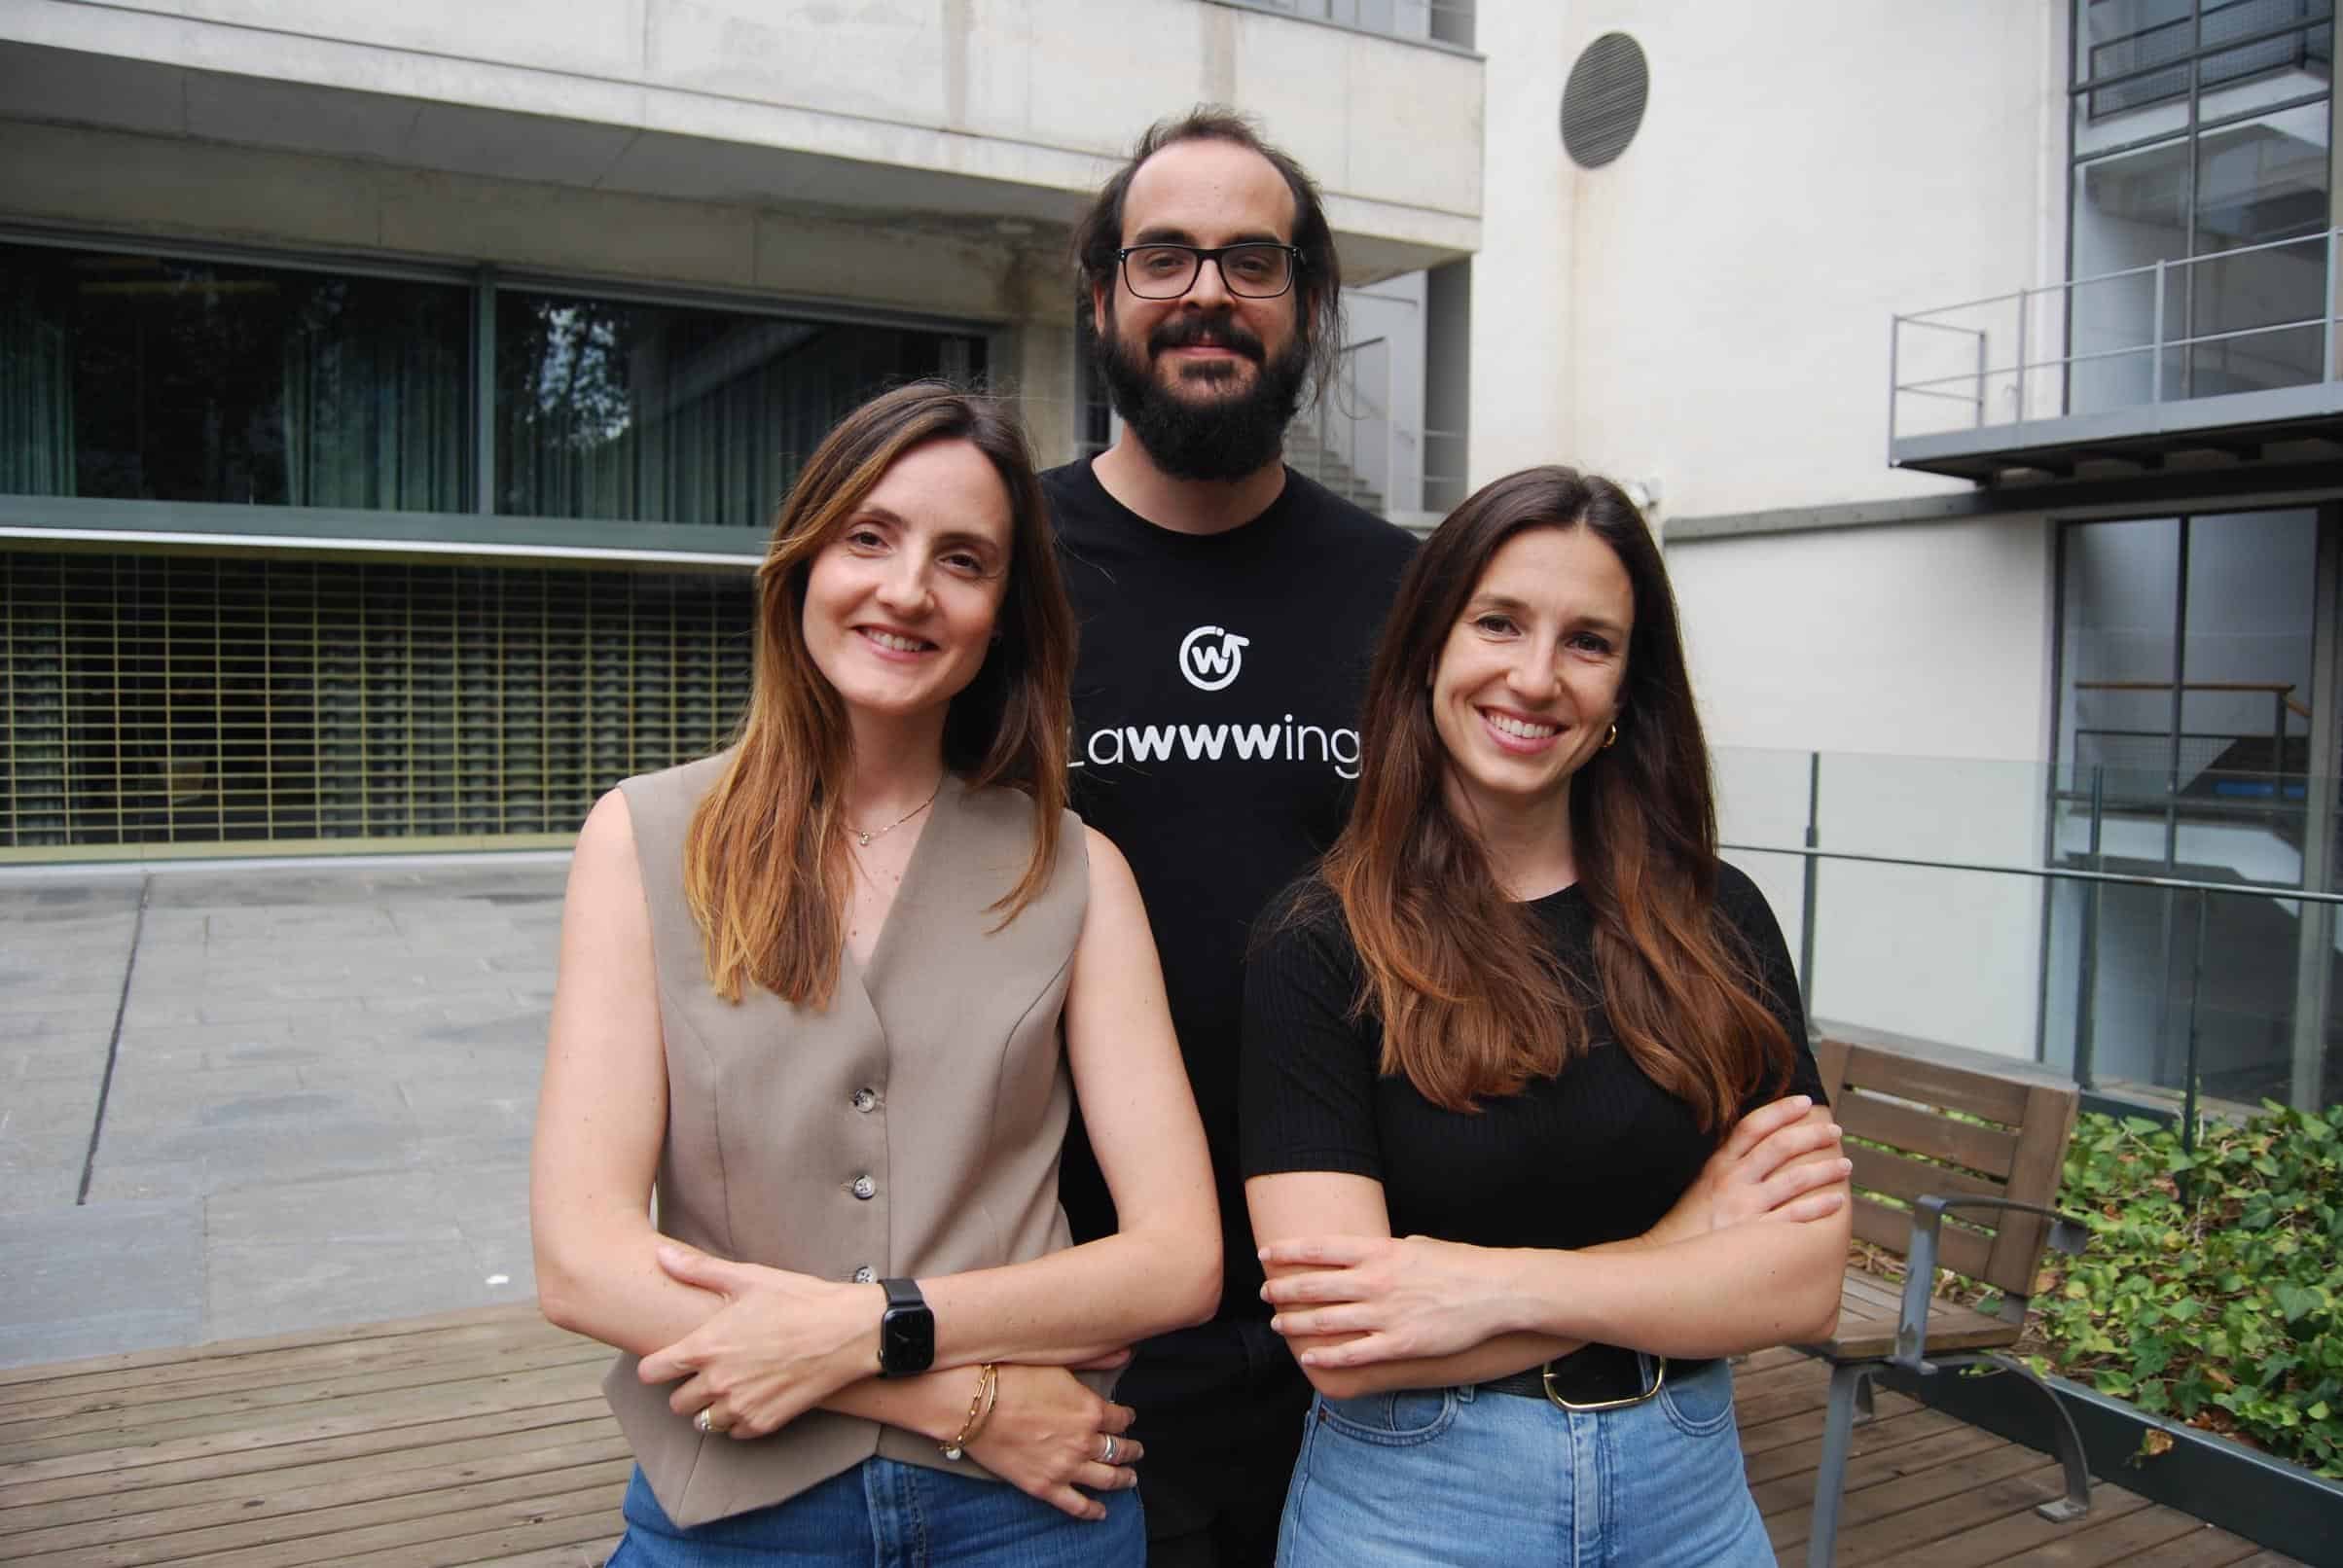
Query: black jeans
[{"x": 1220, "y": 1408}]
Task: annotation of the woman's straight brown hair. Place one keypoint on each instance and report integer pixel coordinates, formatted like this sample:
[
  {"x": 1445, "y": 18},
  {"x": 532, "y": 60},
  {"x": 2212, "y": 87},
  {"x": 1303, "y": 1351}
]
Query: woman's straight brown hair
[
  {"x": 765, "y": 865},
  {"x": 1472, "y": 1000}
]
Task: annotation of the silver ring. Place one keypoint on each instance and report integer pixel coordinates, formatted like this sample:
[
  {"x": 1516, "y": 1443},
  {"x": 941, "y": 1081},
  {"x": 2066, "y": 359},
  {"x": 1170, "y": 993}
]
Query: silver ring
[
  {"x": 705, "y": 1422},
  {"x": 1106, "y": 1454}
]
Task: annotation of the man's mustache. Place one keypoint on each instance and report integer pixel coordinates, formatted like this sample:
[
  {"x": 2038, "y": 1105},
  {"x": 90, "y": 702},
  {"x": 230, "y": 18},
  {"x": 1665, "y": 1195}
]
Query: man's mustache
[{"x": 1219, "y": 332}]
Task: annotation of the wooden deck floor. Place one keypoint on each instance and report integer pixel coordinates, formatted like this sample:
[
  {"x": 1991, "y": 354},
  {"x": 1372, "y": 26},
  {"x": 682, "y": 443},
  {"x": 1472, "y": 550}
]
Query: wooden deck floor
[{"x": 482, "y": 1437}]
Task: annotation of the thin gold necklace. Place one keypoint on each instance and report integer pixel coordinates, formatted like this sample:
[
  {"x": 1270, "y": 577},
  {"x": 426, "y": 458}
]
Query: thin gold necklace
[{"x": 864, "y": 838}]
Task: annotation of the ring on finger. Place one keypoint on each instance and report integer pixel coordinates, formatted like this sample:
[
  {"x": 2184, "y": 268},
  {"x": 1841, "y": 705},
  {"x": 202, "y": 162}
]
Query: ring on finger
[
  {"x": 1108, "y": 1450},
  {"x": 706, "y": 1421}
]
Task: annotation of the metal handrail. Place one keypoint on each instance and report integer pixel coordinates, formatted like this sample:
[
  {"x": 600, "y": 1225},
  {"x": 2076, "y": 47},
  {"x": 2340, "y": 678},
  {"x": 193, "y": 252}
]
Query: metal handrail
[
  {"x": 2065, "y": 874},
  {"x": 1921, "y": 387},
  {"x": 2283, "y": 691},
  {"x": 1919, "y": 317},
  {"x": 2325, "y": 324}
]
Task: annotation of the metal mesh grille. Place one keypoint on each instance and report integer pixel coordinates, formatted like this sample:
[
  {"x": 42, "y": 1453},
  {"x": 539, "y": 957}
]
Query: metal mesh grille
[
  {"x": 1603, "y": 102},
  {"x": 155, "y": 699}
]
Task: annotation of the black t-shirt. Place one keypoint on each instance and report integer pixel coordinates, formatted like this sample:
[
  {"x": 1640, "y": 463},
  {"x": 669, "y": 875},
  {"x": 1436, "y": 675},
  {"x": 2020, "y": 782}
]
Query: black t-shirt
[
  {"x": 1215, "y": 736},
  {"x": 1598, "y": 1153}
]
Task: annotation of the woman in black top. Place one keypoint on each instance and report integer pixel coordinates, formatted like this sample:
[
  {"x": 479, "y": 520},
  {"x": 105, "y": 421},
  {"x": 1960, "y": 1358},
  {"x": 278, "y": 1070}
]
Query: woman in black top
[{"x": 1488, "y": 1048}]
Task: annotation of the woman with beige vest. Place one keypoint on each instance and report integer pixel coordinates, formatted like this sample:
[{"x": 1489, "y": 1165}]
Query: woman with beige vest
[{"x": 831, "y": 995}]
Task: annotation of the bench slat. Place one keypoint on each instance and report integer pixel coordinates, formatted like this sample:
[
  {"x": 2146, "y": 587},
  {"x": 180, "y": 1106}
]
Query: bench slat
[
  {"x": 1964, "y": 1251},
  {"x": 1956, "y": 1089},
  {"x": 1867, "y": 1333},
  {"x": 1919, "y": 1131},
  {"x": 1912, "y": 1180}
]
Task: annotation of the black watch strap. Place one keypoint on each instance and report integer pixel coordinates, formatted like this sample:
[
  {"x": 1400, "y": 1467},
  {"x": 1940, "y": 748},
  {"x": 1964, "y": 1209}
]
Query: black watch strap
[{"x": 907, "y": 1330}]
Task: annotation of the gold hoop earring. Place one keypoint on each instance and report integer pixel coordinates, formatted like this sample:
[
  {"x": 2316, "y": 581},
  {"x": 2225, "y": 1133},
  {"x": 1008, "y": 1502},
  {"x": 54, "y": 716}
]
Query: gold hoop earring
[{"x": 1612, "y": 739}]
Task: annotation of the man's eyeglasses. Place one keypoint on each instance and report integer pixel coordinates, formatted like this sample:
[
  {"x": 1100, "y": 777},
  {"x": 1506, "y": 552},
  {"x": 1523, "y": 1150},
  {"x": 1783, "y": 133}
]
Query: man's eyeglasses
[{"x": 1254, "y": 270}]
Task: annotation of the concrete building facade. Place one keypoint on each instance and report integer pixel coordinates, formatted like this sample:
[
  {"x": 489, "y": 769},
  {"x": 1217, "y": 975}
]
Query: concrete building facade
[
  {"x": 395, "y": 395},
  {"x": 391, "y": 399},
  {"x": 2042, "y": 585}
]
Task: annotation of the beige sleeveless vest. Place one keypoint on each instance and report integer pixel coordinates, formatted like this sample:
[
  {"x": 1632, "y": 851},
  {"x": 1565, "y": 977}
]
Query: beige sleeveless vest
[{"x": 910, "y": 1129}]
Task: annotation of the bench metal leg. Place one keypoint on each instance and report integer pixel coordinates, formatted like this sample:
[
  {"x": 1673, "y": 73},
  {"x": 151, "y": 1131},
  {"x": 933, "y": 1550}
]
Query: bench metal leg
[
  {"x": 2077, "y": 1501},
  {"x": 1864, "y": 1414},
  {"x": 1848, "y": 1388}
]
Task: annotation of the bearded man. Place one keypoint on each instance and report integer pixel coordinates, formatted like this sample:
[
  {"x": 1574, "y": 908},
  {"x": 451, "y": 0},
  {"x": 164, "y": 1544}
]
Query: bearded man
[{"x": 1229, "y": 607}]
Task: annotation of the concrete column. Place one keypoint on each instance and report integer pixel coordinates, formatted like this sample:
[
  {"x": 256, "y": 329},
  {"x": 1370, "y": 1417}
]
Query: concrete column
[
  {"x": 2315, "y": 933},
  {"x": 1447, "y": 384}
]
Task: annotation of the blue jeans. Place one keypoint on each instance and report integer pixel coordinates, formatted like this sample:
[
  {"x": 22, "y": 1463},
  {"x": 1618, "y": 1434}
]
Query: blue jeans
[
  {"x": 896, "y": 1514},
  {"x": 1459, "y": 1476}
]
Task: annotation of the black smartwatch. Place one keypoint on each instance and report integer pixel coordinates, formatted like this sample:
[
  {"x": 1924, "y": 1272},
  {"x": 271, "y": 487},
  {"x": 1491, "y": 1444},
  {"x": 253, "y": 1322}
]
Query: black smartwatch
[{"x": 907, "y": 1331}]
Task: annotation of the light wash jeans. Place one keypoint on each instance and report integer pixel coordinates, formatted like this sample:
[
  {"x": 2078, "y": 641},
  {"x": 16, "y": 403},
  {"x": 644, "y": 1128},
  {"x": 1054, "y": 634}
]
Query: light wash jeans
[
  {"x": 883, "y": 1512},
  {"x": 1455, "y": 1477}
]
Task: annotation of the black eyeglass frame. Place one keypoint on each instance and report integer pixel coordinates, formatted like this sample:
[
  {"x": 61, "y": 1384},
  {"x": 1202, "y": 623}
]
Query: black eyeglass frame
[{"x": 1297, "y": 260}]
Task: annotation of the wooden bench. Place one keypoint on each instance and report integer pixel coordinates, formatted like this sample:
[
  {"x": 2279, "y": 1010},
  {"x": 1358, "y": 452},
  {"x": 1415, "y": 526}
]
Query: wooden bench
[{"x": 1937, "y": 1138}]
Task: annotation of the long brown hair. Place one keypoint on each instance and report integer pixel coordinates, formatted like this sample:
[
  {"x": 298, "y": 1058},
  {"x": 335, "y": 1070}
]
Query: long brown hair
[
  {"x": 1472, "y": 1000},
  {"x": 765, "y": 865}
]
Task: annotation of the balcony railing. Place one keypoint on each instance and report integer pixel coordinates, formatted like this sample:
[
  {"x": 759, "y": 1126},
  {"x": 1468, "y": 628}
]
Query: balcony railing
[
  {"x": 2158, "y": 937},
  {"x": 2126, "y": 362}
]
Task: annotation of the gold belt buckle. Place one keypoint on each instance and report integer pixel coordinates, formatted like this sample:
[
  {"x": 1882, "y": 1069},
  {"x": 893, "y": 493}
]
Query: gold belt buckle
[{"x": 1658, "y": 1377}]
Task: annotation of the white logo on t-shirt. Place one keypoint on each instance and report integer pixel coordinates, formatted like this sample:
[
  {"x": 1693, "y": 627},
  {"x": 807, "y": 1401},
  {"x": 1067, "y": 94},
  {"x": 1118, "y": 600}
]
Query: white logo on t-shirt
[{"x": 1210, "y": 666}]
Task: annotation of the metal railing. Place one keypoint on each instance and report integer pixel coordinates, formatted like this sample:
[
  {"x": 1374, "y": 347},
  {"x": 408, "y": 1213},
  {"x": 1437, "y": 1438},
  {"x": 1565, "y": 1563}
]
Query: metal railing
[
  {"x": 1982, "y": 353},
  {"x": 2185, "y": 760},
  {"x": 1348, "y": 439},
  {"x": 2183, "y": 1014}
]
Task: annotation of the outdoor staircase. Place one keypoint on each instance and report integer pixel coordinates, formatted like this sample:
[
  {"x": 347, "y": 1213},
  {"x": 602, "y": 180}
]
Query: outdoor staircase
[{"x": 1306, "y": 454}]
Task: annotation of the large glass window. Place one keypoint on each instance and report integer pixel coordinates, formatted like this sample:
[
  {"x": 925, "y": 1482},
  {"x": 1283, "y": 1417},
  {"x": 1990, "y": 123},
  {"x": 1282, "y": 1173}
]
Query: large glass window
[
  {"x": 661, "y": 414},
  {"x": 2184, "y": 716},
  {"x": 163, "y": 378},
  {"x": 2200, "y": 128},
  {"x": 145, "y": 378}
]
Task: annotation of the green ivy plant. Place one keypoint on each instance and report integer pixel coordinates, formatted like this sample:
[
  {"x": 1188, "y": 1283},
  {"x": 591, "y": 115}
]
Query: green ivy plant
[
  {"x": 2211, "y": 1286},
  {"x": 2210, "y": 1291}
]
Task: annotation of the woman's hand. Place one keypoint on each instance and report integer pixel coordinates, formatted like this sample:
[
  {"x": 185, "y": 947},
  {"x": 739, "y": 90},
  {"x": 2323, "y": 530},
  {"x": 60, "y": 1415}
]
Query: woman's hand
[
  {"x": 1049, "y": 1434},
  {"x": 1772, "y": 1165},
  {"x": 1405, "y": 1298},
  {"x": 781, "y": 1344}
]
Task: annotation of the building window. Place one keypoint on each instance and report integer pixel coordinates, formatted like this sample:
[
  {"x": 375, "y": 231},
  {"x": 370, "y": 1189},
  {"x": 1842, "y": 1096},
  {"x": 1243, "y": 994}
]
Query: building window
[
  {"x": 2186, "y": 695},
  {"x": 667, "y": 413},
  {"x": 2200, "y": 128},
  {"x": 148, "y": 377}
]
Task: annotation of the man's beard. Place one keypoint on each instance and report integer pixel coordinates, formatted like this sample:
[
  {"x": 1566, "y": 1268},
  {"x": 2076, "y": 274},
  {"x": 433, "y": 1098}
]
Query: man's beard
[{"x": 1207, "y": 436}]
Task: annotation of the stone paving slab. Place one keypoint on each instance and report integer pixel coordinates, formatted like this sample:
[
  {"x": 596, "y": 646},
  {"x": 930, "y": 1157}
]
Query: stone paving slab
[
  {"x": 93, "y": 1280},
  {"x": 325, "y": 1079}
]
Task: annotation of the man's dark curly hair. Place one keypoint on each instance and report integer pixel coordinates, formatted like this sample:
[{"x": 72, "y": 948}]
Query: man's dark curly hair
[{"x": 1318, "y": 290}]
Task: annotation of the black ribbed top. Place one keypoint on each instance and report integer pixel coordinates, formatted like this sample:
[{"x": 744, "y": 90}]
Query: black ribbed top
[{"x": 1598, "y": 1153}]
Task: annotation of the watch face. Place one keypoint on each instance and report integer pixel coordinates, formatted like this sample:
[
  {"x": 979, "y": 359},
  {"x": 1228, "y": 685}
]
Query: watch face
[{"x": 907, "y": 1341}]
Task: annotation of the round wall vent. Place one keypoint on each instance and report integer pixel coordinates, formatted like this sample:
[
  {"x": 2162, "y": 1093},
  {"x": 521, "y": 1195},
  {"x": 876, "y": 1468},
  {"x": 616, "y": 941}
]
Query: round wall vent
[{"x": 1603, "y": 102}]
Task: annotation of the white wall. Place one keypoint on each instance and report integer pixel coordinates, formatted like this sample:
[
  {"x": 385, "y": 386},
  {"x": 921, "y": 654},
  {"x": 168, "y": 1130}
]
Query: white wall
[
  {"x": 1711, "y": 310},
  {"x": 1522, "y": 276},
  {"x": 1916, "y": 659}
]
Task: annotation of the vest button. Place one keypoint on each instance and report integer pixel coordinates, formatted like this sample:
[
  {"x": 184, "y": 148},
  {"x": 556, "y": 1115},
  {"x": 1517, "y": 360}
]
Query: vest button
[
  {"x": 866, "y": 1276},
  {"x": 866, "y": 1100},
  {"x": 864, "y": 1186}
]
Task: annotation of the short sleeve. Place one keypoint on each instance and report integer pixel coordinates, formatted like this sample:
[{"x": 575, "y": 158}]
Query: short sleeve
[
  {"x": 1308, "y": 1072},
  {"x": 1751, "y": 919}
]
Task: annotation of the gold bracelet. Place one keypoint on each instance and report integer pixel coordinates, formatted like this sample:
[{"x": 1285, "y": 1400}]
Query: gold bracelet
[{"x": 980, "y": 1410}]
